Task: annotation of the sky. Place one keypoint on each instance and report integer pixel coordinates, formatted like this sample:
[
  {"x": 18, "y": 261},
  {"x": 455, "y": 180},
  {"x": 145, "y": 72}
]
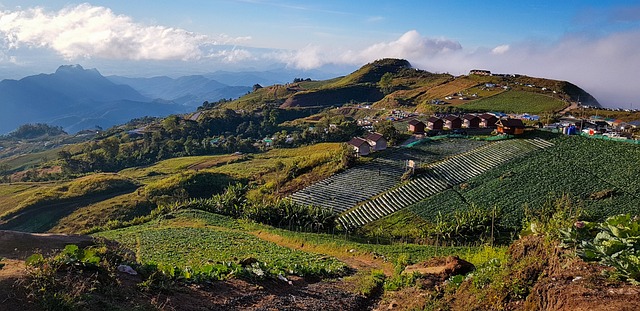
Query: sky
[{"x": 594, "y": 44}]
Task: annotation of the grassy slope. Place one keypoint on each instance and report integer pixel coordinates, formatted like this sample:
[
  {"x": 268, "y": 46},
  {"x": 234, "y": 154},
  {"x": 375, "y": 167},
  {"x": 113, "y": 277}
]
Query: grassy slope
[
  {"x": 40, "y": 208},
  {"x": 25, "y": 161},
  {"x": 517, "y": 102},
  {"x": 315, "y": 162},
  {"x": 169, "y": 167},
  {"x": 12, "y": 195}
]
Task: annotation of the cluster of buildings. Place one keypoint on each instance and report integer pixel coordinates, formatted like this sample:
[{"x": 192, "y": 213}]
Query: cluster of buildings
[
  {"x": 471, "y": 121},
  {"x": 368, "y": 144},
  {"x": 595, "y": 126}
]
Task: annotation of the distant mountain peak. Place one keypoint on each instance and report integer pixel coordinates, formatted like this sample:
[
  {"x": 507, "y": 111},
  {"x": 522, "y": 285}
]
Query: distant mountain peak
[
  {"x": 66, "y": 68},
  {"x": 75, "y": 69}
]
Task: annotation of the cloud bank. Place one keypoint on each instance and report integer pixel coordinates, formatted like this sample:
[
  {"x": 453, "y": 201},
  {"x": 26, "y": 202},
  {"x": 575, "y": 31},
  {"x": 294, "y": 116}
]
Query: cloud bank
[{"x": 87, "y": 31}]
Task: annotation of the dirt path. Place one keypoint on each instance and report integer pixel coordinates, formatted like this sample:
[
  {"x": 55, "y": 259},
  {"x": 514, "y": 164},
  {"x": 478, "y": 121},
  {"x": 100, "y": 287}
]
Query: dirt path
[
  {"x": 572, "y": 106},
  {"x": 20, "y": 245},
  {"x": 355, "y": 259}
]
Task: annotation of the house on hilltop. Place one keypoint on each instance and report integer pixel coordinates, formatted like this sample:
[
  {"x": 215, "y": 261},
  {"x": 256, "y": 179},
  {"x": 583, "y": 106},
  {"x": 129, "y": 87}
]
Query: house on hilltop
[
  {"x": 488, "y": 120},
  {"x": 360, "y": 146},
  {"x": 470, "y": 121},
  {"x": 452, "y": 122},
  {"x": 435, "y": 123},
  {"x": 376, "y": 141},
  {"x": 416, "y": 126},
  {"x": 510, "y": 126},
  {"x": 480, "y": 72}
]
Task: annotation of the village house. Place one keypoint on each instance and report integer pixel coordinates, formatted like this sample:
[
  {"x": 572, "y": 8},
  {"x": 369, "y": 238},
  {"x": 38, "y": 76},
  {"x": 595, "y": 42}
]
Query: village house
[
  {"x": 376, "y": 141},
  {"x": 435, "y": 123},
  {"x": 470, "y": 121},
  {"x": 510, "y": 126},
  {"x": 360, "y": 146},
  {"x": 416, "y": 126},
  {"x": 480, "y": 72},
  {"x": 488, "y": 120},
  {"x": 452, "y": 122}
]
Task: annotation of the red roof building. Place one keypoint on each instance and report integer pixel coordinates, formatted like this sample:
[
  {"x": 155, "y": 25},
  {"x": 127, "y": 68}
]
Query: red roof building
[
  {"x": 488, "y": 120},
  {"x": 416, "y": 126},
  {"x": 434, "y": 123},
  {"x": 452, "y": 122},
  {"x": 470, "y": 121},
  {"x": 510, "y": 126},
  {"x": 360, "y": 145},
  {"x": 376, "y": 141}
]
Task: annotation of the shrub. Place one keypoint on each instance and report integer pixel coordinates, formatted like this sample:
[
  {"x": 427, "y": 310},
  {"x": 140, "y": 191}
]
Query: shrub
[{"x": 62, "y": 281}]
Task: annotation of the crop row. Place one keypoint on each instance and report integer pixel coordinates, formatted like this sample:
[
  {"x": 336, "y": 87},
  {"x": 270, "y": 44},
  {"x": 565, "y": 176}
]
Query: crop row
[
  {"x": 440, "y": 176},
  {"x": 345, "y": 190}
]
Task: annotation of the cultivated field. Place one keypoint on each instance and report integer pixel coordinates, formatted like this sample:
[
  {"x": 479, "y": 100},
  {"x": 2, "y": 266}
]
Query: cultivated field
[
  {"x": 347, "y": 189},
  {"x": 439, "y": 177}
]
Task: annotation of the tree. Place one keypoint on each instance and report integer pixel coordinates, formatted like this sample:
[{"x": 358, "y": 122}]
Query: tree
[
  {"x": 386, "y": 83},
  {"x": 386, "y": 129}
]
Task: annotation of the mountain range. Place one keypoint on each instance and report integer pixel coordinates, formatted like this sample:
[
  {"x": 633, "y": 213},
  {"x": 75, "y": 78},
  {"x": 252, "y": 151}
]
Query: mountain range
[
  {"x": 77, "y": 98},
  {"x": 74, "y": 98}
]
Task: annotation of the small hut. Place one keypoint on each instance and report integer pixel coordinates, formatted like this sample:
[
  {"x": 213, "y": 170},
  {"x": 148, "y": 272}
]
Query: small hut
[
  {"x": 416, "y": 126},
  {"x": 510, "y": 126},
  {"x": 360, "y": 145},
  {"x": 435, "y": 123},
  {"x": 452, "y": 122},
  {"x": 488, "y": 120},
  {"x": 470, "y": 121}
]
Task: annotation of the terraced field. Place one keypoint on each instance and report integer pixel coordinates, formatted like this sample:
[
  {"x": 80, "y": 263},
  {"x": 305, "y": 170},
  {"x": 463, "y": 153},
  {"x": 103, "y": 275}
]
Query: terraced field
[
  {"x": 345, "y": 190},
  {"x": 440, "y": 176}
]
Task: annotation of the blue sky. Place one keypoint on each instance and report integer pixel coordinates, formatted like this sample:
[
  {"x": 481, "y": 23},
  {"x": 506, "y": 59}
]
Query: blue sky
[{"x": 591, "y": 43}]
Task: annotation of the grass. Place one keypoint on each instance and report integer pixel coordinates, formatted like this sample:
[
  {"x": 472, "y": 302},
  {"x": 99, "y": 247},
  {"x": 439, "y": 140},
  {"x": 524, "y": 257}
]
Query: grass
[
  {"x": 168, "y": 167},
  {"x": 12, "y": 195},
  {"x": 25, "y": 161},
  {"x": 122, "y": 207},
  {"x": 517, "y": 102},
  {"x": 38, "y": 209}
]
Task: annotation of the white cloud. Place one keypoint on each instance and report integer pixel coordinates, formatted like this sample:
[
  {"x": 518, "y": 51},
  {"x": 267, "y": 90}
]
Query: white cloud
[
  {"x": 232, "y": 56},
  {"x": 87, "y": 31},
  {"x": 501, "y": 49},
  {"x": 411, "y": 45},
  {"x": 309, "y": 57}
]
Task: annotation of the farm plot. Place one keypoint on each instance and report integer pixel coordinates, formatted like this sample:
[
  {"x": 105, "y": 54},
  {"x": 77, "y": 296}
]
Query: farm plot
[
  {"x": 195, "y": 239},
  {"x": 439, "y": 177},
  {"x": 345, "y": 190}
]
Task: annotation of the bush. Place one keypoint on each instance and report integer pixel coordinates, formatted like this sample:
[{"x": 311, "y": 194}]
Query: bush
[
  {"x": 63, "y": 281},
  {"x": 191, "y": 184}
]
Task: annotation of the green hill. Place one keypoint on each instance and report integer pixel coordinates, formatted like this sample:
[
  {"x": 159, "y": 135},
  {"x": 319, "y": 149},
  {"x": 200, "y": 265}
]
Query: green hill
[{"x": 393, "y": 83}]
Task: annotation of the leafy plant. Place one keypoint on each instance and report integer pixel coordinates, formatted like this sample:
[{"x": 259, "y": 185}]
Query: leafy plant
[{"x": 614, "y": 242}]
